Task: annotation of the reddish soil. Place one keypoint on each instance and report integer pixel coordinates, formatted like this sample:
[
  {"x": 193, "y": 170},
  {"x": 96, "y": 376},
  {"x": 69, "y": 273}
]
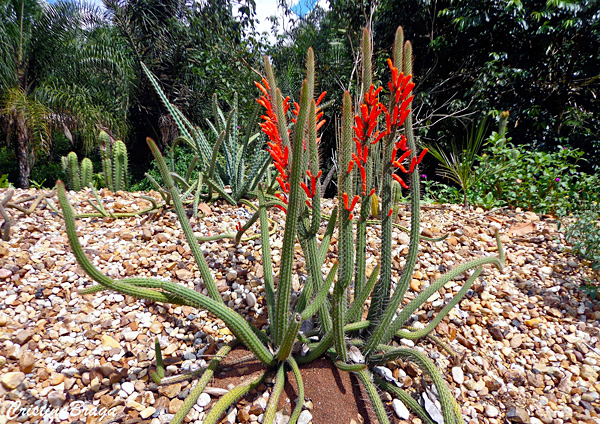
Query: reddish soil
[{"x": 337, "y": 396}]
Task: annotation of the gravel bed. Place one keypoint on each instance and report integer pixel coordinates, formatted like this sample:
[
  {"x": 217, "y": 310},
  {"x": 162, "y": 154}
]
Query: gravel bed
[{"x": 526, "y": 339}]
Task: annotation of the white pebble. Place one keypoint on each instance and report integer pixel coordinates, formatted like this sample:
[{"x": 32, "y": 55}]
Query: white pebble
[
  {"x": 400, "y": 409},
  {"x": 128, "y": 387},
  {"x": 203, "y": 400}
]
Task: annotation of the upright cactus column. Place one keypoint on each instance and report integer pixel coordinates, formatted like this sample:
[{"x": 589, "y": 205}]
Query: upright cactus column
[{"x": 119, "y": 162}]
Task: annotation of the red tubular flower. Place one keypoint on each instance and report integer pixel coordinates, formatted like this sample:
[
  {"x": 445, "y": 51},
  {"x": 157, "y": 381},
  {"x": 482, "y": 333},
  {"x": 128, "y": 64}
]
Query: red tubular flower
[
  {"x": 372, "y": 192},
  {"x": 239, "y": 227},
  {"x": 305, "y": 188},
  {"x": 390, "y": 212},
  {"x": 350, "y": 166},
  {"x": 413, "y": 163},
  {"x": 425, "y": 150},
  {"x": 400, "y": 181},
  {"x": 345, "y": 198}
]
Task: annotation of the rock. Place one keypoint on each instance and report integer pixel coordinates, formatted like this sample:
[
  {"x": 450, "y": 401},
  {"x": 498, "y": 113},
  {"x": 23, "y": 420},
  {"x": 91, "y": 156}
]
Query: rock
[
  {"x": 251, "y": 300},
  {"x": 203, "y": 400},
  {"x": 588, "y": 372},
  {"x": 170, "y": 391},
  {"x": 516, "y": 341},
  {"x": 535, "y": 380},
  {"x": 546, "y": 270},
  {"x": 184, "y": 274},
  {"x": 95, "y": 384},
  {"x": 243, "y": 416},
  {"x": 27, "y": 362},
  {"x": 22, "y": 337},
  {"x": 400, "y": 409},
  {"x": 11, "y": 380},
  {"x": 517, "y": 415},
  {"x": 128, "y": 387},
  {"x": 491, "y": 411},
  {"x": 5, "y": 273},
  {"x": 174, "y": 405},
  {"x": 457, "y": 375},
  {"x": 108, "y": 342},
  {"x": 305, "y": 417},
  {"x": 147, "y": 412},
  {"x": 231, "y": 275},
  {"x": 57, "y": 379},
  {"x": 56, "y": 399},
  {"x": 107, "y": 369},
  {"x": 496, "y": 333},
  {"x": 156, "y": 327}
]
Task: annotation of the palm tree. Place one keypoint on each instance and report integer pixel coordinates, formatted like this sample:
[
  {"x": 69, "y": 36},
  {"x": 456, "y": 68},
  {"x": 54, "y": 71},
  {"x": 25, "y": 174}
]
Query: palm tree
[{"x": 58, "y": 69}]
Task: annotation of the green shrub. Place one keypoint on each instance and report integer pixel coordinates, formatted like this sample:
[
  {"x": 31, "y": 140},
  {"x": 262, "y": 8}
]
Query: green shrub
[{"x": 584, "y": 235}]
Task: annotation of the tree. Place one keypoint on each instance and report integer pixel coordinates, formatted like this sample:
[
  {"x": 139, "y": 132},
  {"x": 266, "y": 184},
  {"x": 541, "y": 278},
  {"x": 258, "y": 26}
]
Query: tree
[{"x": 54, "y": 73}]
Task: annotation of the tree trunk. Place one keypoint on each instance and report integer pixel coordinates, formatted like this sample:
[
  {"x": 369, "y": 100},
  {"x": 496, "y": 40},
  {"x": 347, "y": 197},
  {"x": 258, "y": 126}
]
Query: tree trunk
[{"x": 23, "y": 153}]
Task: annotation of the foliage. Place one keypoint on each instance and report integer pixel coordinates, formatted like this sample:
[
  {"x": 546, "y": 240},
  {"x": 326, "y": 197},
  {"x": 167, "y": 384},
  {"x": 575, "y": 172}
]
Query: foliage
[
  {"x": 238, "y": 144},
  {"x": 295, "y": 155},
  {"x": 54, "y": 74},
  {"x": 4, "y": 183},
  {"x": 583, "y": 234},
  {"x": 457, "y": 165}
]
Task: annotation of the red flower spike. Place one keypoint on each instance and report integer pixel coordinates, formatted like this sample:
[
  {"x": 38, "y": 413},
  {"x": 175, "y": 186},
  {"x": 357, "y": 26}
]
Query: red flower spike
[
  {"x": 365, "y": 153},
  {"x": 281, "y": 207},
  {"x": 413, "y": 163},
  {"x": 403, "y": 117},
  {"x": 400, "y": 181},
  {"x": 402, "y": 143},
  {"x": 394, "y": 152},
  {"x": 321, "y": 97},
  {"x": 305, "y": 188},
  {"x": 350, "y": 166},
  {"x": 404, "y": 156},
  {"x": 365, "y": 112},
  {"x": 350, "y": 217},
  {"x": 422, "y": 155},
  {"x": 363, "y": 175},
  {"x": 319, "y": 174},
  {"x": 308, "y": 203},
  {"x": 320, "y": 124},
  {"x": 364, "y": 189},
  {"x": 390, "y": 212},
  {"x": 313, "y": 186},
  {"x": 372, "y": 192},
  {"x": 353, "y": 202},
  {"x": 345, "y": 198}
]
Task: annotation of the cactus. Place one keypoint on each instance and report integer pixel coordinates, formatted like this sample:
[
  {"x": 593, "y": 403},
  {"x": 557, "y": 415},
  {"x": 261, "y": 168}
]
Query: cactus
[
  {"x": 114, "y": 162},
  {"x": 87, "y": 171},
  {"x": 119, "y": 162},
  {"x": 367, "y": 124},
  {"x": 78, "y": 176},
  {"x": 70, "y": 166}
]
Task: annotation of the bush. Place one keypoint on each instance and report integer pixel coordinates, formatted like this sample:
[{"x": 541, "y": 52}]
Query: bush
[
  {"x": 584, "y": 235},
  {"x": 543, "y": 182}
]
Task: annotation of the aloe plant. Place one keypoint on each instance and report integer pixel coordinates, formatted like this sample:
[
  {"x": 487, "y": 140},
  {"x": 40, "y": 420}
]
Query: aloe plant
[
  {"x": 245, "y": 162},
  {"x": 353, "y": 344}
]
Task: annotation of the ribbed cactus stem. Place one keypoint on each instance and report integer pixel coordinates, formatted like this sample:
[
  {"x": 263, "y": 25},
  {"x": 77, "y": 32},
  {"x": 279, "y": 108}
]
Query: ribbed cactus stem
[
  {"x": 87, "y": 170},
  {"x": 346, "y": 239},
  {"x": 503, "y": 123},
  {"x": 367, "y": 65},
  {"x": 283, "y": 295},
  {"x": 119, "y": 162},
  {"x": 73, "y": 172}
]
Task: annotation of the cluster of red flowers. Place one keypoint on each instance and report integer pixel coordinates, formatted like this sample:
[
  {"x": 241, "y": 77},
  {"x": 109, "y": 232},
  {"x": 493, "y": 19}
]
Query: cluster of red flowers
[
  {"x": 310, "y": 192},
  {"x": 280, "y": 153}
]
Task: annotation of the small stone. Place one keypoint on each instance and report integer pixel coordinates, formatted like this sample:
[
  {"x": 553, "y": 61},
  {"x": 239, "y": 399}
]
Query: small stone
[
  {"x": 203, "y": 400},
  {"x": 107, "y": 369},
  {"x": 22, "y": 337},
  {"x": 5, "y": 273},
  {"x": 491, "y": 411},
  {"x": 251, "y": 300},
  {"x": 184, "y": 274},
  {"x": 109, "y": 342},
  {"x": 27, "y": 362},
  {"x": 400, "y": 409},
  {"x": 56, "y": 399},
  {"x": 305, "y": 417},
  {"x": 517, "y": 415},
  {"x": 231, "y": 275},
  {"x": 457, "y": 375},
  {"x": 415, "y": 285},
  {"x": 588, "y": 372},
  {"x": 57, "y": 379},
  {"x": 516, "y": 341},
  {"x": 11, "y": 380},
  {"x": 496, "y": 333},
  {"x": 170, "y": 391},
  {"x": 546, "y": 270},
  {"x": 175, "y": 405},
  {"x": 156, "y": 327},
  {"x": 243, "y": 416},
  {"x": 128, "y": 387},
  {"x": 95, "y": 384},
  {"x": 555, "y": 312},
  {"x": 147, "y": 412}
]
